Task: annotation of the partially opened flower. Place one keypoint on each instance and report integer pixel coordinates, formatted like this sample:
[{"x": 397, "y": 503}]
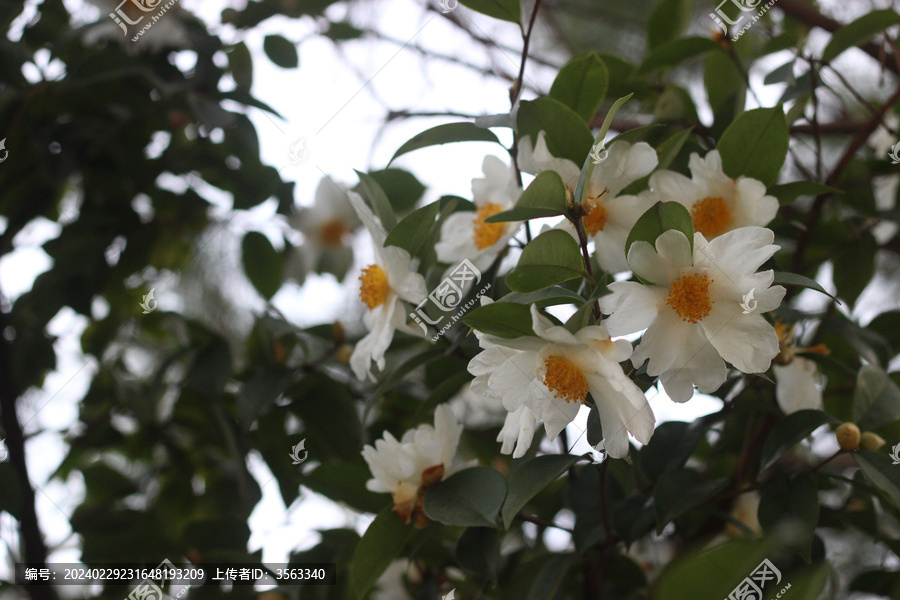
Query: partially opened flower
[
  {"x": 465, "y": 235},
  {"x": 691, "y": 307},
  {"x": 610, "y": 216},
  {"x": 717, "y": 202},
  {"x": 421, "y": 458},
  {"x": 327, "y": 229},
  {"x": 547, "y": 377},
  {"x": 383, "y": 286},
  {"x": 798, "y": 382}
]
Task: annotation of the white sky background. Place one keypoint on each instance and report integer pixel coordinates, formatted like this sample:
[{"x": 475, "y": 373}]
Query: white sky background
[{"x": 326, "y": 88}]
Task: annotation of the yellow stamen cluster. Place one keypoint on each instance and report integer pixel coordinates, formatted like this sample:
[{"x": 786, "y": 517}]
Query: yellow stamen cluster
[
  {"x": 564, "y": 379},
  {"x": 373, "y": 286},
  {"x": 595, "y": 219},
  {"x": 487, "y": 234},
  {"x": 711, "y": 216},
  {"x": 689, "y": 297}
]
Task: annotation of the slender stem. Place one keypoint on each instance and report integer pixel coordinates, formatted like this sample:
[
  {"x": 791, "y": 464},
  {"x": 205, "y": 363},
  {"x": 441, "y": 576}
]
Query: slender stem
[
  {"x": 586, "y": 256},
  {"x": 541, "y": 522}
]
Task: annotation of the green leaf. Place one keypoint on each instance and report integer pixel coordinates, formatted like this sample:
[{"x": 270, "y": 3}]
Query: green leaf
[
  {"x": 567, "y": 134},
  {"x": 528, "y": 477},
  {"x": 581, "y": 85},
  {"x": 401, "y": 187},
  {"x": 587, "y": 167},
  {"x": 346, "y": 483},
  {"x": 710, "y": 574},
  {"x": 677, "y": 51},
  {"x": 659, "y": 218},
  {"x": 789, "y": 432},
  {"x": 550, "y": 258},
  {"x": 381, "y": 206},
  {"x": 551, "y": 577},
  {"x": 788, "y": 192},
  {"x": 882, "y": 472},
  {"x": 755, "y": 145},
  {"x": 446, "y": 134},
  {"x": 503, "y": 319},
  {"x": 859, "y": 31},
  {"x": 415, "y": 229},
  {"x": 789, "y": 510},
  {"x": 550, "y": 296},
  {"x": 723, "y": 80},
  {"x": 382, "y": 542},
  {"x": 678, "y": 492},
  {"x": 670, "y": 447},
  {"x": 262, "y": 264},
  {"x": 785, "y": 278},
  {"x": 854, "y": 267},
  {"x": 544, "y": 197},
  {"x": 478, "y": 551},
  {"x": 281, "y": 52},
  {"x": 470, "y": 498},
  {"x": 506, "y": 10},
  {"x": 876, "y": 399},
  {"x": 668, "y": 21},
  {"x": 241, "y": 65}
]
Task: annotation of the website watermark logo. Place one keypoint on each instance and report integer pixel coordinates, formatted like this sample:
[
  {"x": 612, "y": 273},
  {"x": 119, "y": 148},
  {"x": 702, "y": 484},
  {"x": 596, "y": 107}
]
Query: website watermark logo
[
  {"x": 297, "y": 154},
  {"x": 449, "y": 595},
  {"x": 4, "y": 453},
  {"x": 148, "y": 590},
  {"x": 295, "y": 452},
  {"x": 448, "y": 5},
  {"x": 751, "y": 588},
  {"x": 749, "y": 304},
  {"x": 596, "y": 158},
  {"x": 121, "y": 18},
  {"x": 895, "y": 455},
  {"x": 148, "y": 303},
  {"x": 5, "y": 151},
  {"x": 895, "y": 159},
  {"x": 448, "y": 296},
  {"x": 720, "y": 18}
]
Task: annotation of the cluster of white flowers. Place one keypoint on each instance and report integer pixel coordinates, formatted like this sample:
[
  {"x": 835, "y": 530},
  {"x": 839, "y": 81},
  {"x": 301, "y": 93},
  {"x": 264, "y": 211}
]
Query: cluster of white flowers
[{"x": 686, "y": 299}]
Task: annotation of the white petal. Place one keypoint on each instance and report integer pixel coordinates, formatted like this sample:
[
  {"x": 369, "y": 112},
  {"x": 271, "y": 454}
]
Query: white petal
[
  {"x": 669, "y": 186},
  {"x": 739, "y": 251},
  {"x": 368, "y": 218},
  {"x": 517, "y": 432},
  {"x": 382, "y": 321},
  {"x": 798, "y": 385},
  {"x": 408, "y": 284},
  {"x": 457, "y": 238},
  {"x": 631, "y": 306},
  {"x": 544, "y": 328},
  {"x": 747, "y": 341}
]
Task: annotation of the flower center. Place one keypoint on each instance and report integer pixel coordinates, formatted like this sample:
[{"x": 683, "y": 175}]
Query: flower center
[
  {"x": 689, "y": 297},
  {"x": 711, "y": 216},
  {"x": 564, "y": 379},
  {"x": 595, "y": 220},
  {"x": 333, "y": 232},
  {"x": 373, "y": 286},
  {"x": 487, "y": 234}
]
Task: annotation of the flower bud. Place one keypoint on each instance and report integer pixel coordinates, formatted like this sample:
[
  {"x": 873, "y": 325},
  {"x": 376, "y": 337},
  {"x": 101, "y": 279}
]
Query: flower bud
[
  {"x": 848, "y": 436},
  {"x": 342, "y": 354},
  {"x": 871, "y": 441}
]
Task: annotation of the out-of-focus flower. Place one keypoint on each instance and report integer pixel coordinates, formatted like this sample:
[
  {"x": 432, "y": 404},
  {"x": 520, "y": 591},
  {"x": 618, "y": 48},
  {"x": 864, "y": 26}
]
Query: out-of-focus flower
[
  {"x": 547, "y": 377},
  {"x": 421, "y": 458},
  {"x": 327, "y": 229},
  {"x": 798, "y": 382},
  {"x": 465, "y": 235},
  {"x": 610, "y": 216},
  {"x": 691, "y": 308},
  {"x": 477, "y": 411},
  {"x": 717, "y": 202},
  {"x": 744, "y": 511},
  {"x": 383, "y": 286}
]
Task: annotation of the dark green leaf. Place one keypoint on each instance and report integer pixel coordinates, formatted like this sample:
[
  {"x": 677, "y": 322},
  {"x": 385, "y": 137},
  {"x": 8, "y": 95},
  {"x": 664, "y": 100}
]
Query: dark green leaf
[
  {"x": 241, "y": 65},
  {"x": 530, "y": 476},
  {"x": 446, "y": 134},
  {"x": 552, "y": 257},
  {"x": 551, "y": 578},
  {"x": 346, "y": 482},
  {"x": 478, "y": 551},
  {"x": 567, "y": 134},
  {"x": 788, "y": 192},
  {"x": 881, "y": 471},
  {"x": 544, "y": 197},
  {"x": 281, "y": 52},
  {"x": 854, "y": 267},
  {"x": 784, "y": 278},
  {"x": 670, "y": 447},
  {"x": 503, "y": 319},
  {"x": 678, "y": 492},
  {"x": 712, "y": 573},
  {"x": 381, "y": 206},
  {"x": 581, "y": 85},
  {"x": 507, "y": 10},
  {"x": 546, "y": 297},
  {"x": 415, "y": 229},
  {"x": 668, "y": 21},
  {"x": 470, "y": 498},
  {"x": 382, "y": 542},
  {"x": 262, "y": 264},
  {"x": 401, "y": 187},
  {"x": 789, "y": 432},
  {"x": 789, "y": 510},
  {"x": 876, "y": 399},
  {"x": 755, "y": 145},
  {"x": 859, "y": 31},
  {"x": 677, "y": 51},
  {"x": 659, "y": 218}
]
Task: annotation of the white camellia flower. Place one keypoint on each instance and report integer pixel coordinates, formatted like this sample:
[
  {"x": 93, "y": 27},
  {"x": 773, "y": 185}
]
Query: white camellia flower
[
  {"x": 421, "y": 458},
  {"x": 383, "y": 286},
  {"x": 610, "y": 216},
  {"x": 691, "y": 307},
  {"x": 717, "y": 202},
  {"x": 547, "y": 378},
  {"x": 465, "y": 235},
  {"x": 327, "y": 229},
  {"x": 798, "y": 382},
  {"x": 477, "y": 411}
]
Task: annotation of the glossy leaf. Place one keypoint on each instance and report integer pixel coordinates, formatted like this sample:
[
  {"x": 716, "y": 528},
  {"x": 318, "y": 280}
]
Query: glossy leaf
[
  {"x": 503, "y": 319},
  {"x": 446, "y": 134},
  {"x": 876, "y": 399},
  {"x": 784, "y": 278},
  {"x": 567, "y": 134},
  {"x": 506, "y": 10},
  {"x": 552, "y": 257},
  {"x": 544, "y": 197},
  {"x": 470, "y": 498},
  {"x": 678, "y": 492},
  {"x": 528, "y": 477},
  {"x": 659, "y": 218},
  {"x": 581, "y": 85},
  {"x": 414, "y": 229},
  {"x": 755, "y": 145},
  {"x": 789, "y": 432},
  {"x": 859, "y": 31},
  {"x": 382, "y": 542}
]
